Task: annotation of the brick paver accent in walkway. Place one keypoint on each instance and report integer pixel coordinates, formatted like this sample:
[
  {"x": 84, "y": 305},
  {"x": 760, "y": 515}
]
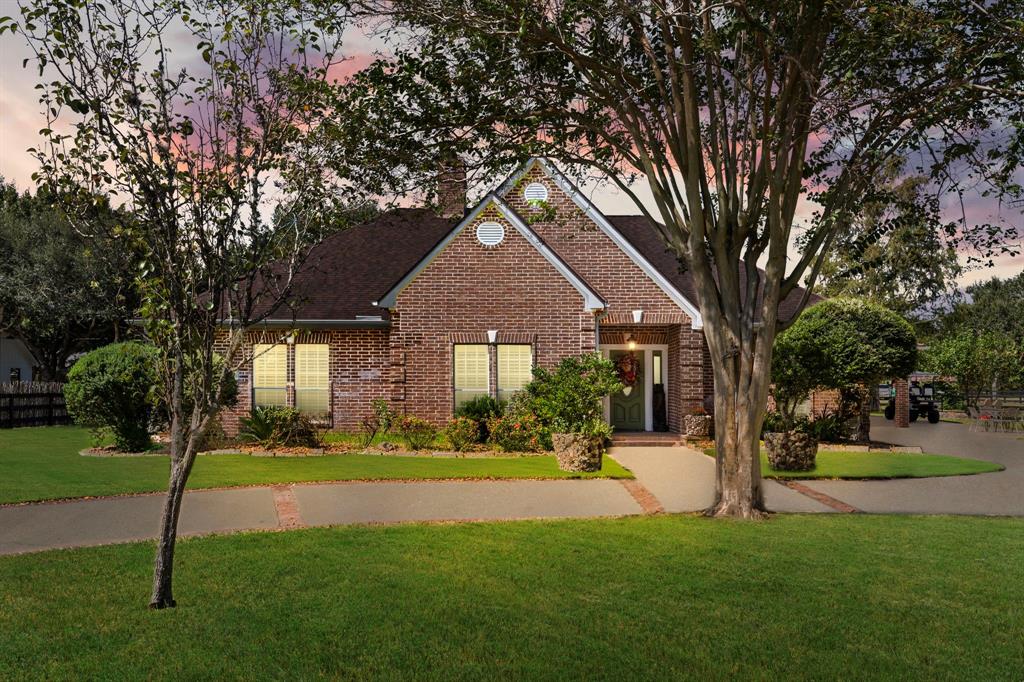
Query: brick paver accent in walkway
[
  {"x": 287, "y": 507},
  {"x": 644, "y": 497},
  {"x": 826, "y": 500}
]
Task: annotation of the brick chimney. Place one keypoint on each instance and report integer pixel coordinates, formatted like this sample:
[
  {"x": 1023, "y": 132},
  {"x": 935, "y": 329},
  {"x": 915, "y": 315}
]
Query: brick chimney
[{"x": 451, "y": 189}]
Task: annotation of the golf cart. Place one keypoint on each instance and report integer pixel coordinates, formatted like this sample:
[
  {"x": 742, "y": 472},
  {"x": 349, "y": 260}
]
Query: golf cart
[{"x": 923, "y": 402}]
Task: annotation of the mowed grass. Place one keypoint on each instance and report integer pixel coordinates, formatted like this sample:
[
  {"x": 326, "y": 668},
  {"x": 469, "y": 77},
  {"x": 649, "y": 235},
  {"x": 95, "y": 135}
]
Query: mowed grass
[
  {"x": 650, "y": 598},
  {"x": 867, "y": 465},
  {"x": 43, "y": 464}
]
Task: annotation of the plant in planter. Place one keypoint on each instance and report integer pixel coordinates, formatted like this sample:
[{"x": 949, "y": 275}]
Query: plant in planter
[
  {"x": 568, "y": 402},
  {"x": 698, "y": 424}
]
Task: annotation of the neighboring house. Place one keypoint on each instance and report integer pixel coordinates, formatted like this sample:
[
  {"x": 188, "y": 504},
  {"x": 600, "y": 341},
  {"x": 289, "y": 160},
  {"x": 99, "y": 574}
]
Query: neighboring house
[
  {"x": 427, "y": 311},
  {"x": 16, "y": 362}
]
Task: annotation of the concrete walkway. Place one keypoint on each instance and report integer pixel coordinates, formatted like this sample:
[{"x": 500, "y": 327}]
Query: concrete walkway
[
  {"x": 675, "y": 479},
  {"x": 33, "y": 527},
  {"x": 683, "y": 480},
  {"x": 999, "y": 493}
]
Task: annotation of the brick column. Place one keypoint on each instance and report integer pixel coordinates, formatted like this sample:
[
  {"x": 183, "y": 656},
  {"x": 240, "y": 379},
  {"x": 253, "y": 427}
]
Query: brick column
[{"x": 902, "y": 403}]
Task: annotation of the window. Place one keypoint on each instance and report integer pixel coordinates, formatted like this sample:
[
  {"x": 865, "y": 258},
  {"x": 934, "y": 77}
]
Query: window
[
  {"x": 515, "y": 369},
  {"x": 312, "y": 379},
  {"x": 269, "y": 375},
  {"x": 472, "y": 372}
]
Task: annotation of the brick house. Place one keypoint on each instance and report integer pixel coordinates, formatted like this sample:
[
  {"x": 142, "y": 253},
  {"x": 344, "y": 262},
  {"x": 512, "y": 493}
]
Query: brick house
[{"x": 429, "y": 310}]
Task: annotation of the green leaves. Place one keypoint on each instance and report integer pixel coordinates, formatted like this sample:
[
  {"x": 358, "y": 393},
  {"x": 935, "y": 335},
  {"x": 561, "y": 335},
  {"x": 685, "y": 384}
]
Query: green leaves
[{"x": 838, "y": 343}]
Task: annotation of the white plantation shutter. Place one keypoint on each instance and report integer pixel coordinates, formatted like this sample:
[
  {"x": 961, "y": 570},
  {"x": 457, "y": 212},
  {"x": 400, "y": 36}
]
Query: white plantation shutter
[
  {"x": 270, "y": 375},
  {"x": 312, "y": 378},
  {"x": 515, "y": 367},
  {"x": 472, "y": 372}
]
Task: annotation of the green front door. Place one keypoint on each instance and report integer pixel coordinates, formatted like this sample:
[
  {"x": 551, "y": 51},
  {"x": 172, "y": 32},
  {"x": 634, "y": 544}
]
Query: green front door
[{"x": 627, "y": 406}]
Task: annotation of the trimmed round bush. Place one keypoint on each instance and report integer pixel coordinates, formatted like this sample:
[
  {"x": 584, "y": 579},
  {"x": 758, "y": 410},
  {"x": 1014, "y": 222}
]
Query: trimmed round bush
[{"x": 112, "y": 388}]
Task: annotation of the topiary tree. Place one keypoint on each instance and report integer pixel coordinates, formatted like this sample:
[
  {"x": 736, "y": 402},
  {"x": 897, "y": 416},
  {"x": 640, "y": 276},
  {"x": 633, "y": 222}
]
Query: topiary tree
[
  {"x": 112, "y": 387},
  {"x": 840, "y": 343}
]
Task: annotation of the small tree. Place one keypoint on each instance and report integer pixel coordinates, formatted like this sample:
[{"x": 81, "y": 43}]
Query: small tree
[
  {"x": 201, "y": 144},
  {"x": 977, "y": 360},
  {"x": 113, "y": 388},
  {"x": 841, "y": 343}
]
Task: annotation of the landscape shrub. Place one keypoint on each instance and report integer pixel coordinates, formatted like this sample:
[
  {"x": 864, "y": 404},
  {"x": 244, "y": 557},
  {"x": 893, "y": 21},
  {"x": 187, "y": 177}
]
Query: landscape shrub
[
  {"x": 417, "y": 433},
  {"x": 570, "y": 398},
  {"x": 462, "y": 432},
  {"x": 274, "y": 426},
  {"x": 385, "y": 416},
  {"x": 519, "y": 433},
  {"x": 828, "y": 427},
  {"x": 480, "y": 410},
  {"x": 112, "y": 388}
]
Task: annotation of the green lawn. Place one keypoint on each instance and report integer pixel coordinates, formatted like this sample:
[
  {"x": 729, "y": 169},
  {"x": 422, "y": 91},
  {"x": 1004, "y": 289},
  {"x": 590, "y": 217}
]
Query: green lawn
[
  {"x": 860, "y": 465},
  {"x": 43, "y": 463},
  {"x": 657, "y": 598}
]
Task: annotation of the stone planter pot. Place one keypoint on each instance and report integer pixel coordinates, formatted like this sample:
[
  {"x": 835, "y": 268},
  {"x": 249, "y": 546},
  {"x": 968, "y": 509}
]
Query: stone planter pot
[
  {"x": 576, "y": 452},
  {"x": 791, "y": 450},
  {"x": 699, "y": 425}
]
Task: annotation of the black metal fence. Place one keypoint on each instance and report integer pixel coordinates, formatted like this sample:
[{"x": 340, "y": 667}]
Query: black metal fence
[{"x": 26, "y": 403}]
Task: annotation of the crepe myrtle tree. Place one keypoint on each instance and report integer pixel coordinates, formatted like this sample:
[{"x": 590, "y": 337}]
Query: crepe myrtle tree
[
  {"x": 752, "y": 122},
  {"x": 197, "y": 143}
]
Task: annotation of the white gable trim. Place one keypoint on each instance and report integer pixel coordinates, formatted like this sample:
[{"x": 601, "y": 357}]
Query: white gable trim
[
  {"x": 591, "y": 299},
  {"x": 592, "y": 212}
]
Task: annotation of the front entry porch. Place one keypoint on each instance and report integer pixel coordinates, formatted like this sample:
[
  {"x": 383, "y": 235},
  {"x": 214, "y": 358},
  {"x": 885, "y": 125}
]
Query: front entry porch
[{"x": 643, "y": 404}]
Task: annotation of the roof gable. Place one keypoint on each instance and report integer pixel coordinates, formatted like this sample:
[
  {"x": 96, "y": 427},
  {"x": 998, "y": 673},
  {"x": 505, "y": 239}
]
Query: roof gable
[
  {"x": 588, "y": 208},
  {"x": 591, "y": 299}
]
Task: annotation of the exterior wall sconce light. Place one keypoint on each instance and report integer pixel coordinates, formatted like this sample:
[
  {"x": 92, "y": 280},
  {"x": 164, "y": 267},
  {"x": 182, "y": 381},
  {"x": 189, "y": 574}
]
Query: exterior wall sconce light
[{"x": 631, "y": 342}]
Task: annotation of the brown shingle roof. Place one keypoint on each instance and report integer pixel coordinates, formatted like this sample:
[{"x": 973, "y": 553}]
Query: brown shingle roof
[
  {"x": 639, "y": 232},
  {"x": 345, "y": 273}
]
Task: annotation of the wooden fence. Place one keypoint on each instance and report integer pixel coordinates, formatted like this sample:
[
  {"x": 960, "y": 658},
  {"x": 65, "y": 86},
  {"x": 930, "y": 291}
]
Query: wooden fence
[{"x": 26, "y": 403}]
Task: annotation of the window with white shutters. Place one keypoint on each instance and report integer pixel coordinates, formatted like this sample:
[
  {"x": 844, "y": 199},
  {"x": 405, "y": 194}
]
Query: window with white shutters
[
  {"x": 515, "y": 369},
  {"x": 472, "y": 372},
  {"x": 312, "y": 378},
  {"x": 269, "y": 375}
]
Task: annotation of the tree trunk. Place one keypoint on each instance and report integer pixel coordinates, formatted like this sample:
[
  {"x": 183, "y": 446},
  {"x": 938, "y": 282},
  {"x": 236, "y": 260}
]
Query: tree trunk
[
  {"x": 163, "y": 569},
  {"x": 741, "y": 391},
  {"x": 866, "y": 403}
]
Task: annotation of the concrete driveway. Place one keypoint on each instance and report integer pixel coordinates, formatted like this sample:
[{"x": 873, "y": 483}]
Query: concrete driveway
[{"x": 999, "y": 493}]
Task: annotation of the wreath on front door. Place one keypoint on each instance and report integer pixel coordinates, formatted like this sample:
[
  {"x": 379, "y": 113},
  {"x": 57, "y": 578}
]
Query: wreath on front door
[{"x": 628, "y": 368}]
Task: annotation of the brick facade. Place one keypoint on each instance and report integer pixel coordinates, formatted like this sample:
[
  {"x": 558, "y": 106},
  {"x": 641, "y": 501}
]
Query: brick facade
[{"x": 469, "y": 288}]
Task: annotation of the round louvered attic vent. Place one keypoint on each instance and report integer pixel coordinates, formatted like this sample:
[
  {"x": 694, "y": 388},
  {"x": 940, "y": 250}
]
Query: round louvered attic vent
[
  {"x": 535, "y": 191},
  {"x": 490, "y": 234}
]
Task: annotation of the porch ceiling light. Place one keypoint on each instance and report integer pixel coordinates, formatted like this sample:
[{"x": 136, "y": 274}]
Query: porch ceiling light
[{"x": 631, "y": 342}]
